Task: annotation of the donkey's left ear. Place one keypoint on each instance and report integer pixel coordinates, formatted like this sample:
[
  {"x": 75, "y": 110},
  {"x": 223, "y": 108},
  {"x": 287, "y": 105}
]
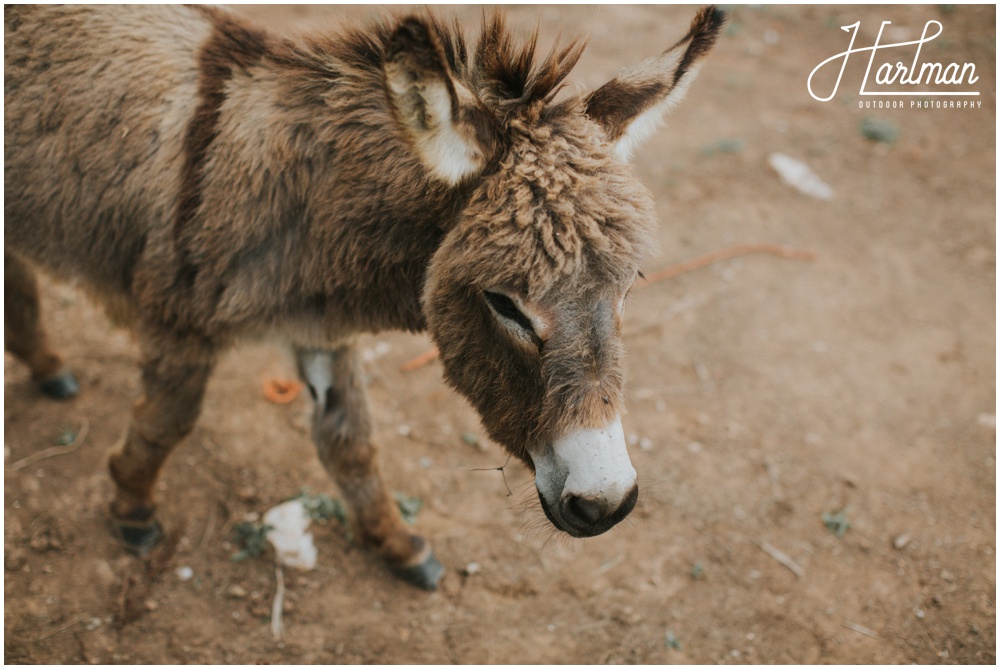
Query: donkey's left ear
[
  {"x": 630, "y": 106},
  {"x": 452, "y": 134}
]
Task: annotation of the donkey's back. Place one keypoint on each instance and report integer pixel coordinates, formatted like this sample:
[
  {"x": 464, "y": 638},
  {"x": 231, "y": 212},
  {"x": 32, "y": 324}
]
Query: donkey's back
[{"x": 96, "y": 107}]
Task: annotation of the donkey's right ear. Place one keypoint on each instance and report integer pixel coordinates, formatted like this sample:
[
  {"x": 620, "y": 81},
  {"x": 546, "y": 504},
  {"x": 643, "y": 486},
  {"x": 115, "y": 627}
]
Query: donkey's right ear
[{"x": 451, "y": 133}]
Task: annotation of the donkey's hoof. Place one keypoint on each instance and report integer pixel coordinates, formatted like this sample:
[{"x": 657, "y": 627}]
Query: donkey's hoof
[
  {"x": 424, "y": 575},
  {"x": 140, "y": 539},
  {"x": 61, "y": 386}
]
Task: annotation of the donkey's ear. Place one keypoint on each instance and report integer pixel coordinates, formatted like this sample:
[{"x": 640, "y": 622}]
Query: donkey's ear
[
  {"x": 452, "y": 134},
  {"x": 630, "y": 106}
]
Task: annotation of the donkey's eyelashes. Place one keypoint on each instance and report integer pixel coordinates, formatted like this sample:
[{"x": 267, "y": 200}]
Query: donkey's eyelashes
[
  {"x": 506, "y": 309},
  {"x": 504, "y": 306}
]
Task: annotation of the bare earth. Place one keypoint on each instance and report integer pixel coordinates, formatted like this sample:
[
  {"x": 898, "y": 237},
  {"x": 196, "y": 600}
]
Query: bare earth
[{"x": 763, "y": 392}]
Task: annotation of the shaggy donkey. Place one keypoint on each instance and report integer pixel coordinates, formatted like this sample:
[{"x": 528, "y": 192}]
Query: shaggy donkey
[{"x": 207, "y": 181}]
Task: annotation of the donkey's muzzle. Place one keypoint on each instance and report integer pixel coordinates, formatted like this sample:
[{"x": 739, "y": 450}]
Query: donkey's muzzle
[
  {"x": 581, "y": 516},
  {"x": 585, "y": 481}
]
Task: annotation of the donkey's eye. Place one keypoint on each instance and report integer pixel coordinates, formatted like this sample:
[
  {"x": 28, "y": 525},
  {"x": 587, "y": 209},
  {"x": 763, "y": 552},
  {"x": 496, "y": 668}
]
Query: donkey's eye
[{"x": 505, "y": 307}]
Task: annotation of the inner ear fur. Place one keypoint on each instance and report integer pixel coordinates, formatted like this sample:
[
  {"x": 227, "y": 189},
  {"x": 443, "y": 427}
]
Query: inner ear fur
[
  {"x": 630, "y": 106},
  {"x": 451, "y": 132}
]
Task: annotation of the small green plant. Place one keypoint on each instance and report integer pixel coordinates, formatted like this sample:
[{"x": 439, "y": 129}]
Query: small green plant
[
  {"x": 408, "y": 506},
  {"x": 837, "y": 522},
  {"x": 878, "y": 130},
  {"x": 252, "y": 538},
  {"x": 322, "y": 507}
]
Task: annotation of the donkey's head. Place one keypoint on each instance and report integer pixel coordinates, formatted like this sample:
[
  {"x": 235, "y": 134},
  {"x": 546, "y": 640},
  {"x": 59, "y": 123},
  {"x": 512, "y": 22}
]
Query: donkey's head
[{"x": 525, "y": 295}]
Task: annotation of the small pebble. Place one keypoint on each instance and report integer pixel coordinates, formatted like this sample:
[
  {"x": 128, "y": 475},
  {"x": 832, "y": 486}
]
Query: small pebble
[
  {"x": 900, "y": 542},
  {"x": 151, "y": 605},
  {"x": 184, "y": 573},
  {"x": 472, "y": 568},
  {"x": 646, "y": 443},
  {"x": 403, "y": 430},
  {"x": 236, "y": 592},
  {"x": 920, "y": 614}
]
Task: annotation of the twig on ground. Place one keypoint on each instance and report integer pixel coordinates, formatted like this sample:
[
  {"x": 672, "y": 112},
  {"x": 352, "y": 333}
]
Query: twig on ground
[
  {"x": 277, "y": 628},
  {"x": 724, "y": 254},
  {"x": 59, "y": 630},
  {"x": 860, "y": 629},
  {"x": 52, "y": 452},
  {"x": 421, "y": 360},
  {"x": 782, "y": 559}
]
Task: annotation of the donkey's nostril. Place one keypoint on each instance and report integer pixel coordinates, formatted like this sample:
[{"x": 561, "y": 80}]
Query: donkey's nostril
[{"x": 584, "y": 510}]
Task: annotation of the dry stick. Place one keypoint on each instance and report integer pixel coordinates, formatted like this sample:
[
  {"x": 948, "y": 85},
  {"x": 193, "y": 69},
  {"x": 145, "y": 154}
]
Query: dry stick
[
  {"x": 782, "y": 559},
  {"x": 860, "y": 629},
  {"x": 669, "y": 273},
  {"x": 277, "y": 629},
  {"x": 421, "y": 360},
  {"x": 55, "y": 450},
  {"x": 725, "y": 254},
  {"x": 59, "y": 630}
]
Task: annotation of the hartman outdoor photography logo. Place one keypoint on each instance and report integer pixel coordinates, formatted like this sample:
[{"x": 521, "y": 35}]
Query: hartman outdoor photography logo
[{"x": 901, "y": 74}]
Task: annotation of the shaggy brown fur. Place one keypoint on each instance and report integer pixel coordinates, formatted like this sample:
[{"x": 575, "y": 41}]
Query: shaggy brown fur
[{"x": 208, "y": 181}]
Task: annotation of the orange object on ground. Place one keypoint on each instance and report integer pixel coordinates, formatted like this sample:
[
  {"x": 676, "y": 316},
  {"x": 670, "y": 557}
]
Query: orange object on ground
[{"x": 281, "y": 391}]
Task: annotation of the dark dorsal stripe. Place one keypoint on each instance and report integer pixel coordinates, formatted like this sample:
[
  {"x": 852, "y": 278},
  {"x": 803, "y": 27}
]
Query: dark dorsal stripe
[{"x": 231, "y": 45}]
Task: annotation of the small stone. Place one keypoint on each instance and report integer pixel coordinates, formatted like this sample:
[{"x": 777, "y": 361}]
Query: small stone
[
  {"x": 646, "y": 443},
  {"x": 920, "y": 614},
  {"x": 472, "y": 568},
  {"x": 151, "y": 605},
  {"x": 694, "y": 447},
  {"x": 403, "y": 430},
  {"x": 184, "y": 573},
  {"x": 236, "y": 592},
  {"x": 900, "y": 542}
]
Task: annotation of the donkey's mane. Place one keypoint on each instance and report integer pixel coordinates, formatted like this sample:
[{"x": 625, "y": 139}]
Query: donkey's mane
[{"x": 504, "y": 71}]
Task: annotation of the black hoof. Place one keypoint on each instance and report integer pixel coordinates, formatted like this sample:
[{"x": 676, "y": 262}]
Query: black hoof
[
  {"x": 61, "y": 386},
  {"x": 424, "y": 575},
  {"x": 140, "y": 539}
]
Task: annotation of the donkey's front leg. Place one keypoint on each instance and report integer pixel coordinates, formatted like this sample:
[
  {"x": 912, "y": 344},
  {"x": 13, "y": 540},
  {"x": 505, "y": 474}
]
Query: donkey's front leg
[
  {"x": 342, "y": 430},
  {"x": 174, "y": 373}
]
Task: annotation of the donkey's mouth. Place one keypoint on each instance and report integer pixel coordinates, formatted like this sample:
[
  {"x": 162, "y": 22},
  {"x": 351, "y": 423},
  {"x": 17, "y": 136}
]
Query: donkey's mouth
[{"x": 581, "y": 519}]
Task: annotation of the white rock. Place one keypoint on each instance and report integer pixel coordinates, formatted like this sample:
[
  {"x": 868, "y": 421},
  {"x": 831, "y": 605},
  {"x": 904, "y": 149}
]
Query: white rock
[{"x": 184, "y": 573}]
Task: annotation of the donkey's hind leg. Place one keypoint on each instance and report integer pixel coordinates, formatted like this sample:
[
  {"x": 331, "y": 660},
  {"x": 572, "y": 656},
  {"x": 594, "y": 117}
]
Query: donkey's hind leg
[
  {"x": 23, "y": 333},
  {"x": 342, "y": 430},
  {"x": 174, "y": 373}
]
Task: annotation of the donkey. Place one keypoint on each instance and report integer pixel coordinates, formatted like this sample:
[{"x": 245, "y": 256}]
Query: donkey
[{"x": 208, "y": 181}]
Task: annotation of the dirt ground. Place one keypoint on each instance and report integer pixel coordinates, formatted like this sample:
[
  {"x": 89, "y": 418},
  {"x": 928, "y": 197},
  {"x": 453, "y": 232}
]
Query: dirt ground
[{"x": 765, "y": 395}]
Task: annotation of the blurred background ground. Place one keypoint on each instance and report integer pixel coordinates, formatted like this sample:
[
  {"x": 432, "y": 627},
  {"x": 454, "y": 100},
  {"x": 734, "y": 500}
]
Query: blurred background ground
[{"x": 766, "y": 396}]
